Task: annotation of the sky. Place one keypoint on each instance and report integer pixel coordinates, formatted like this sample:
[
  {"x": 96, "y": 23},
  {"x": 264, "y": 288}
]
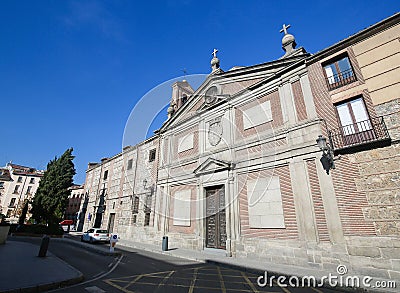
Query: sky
[{"x": 71, "y": 72}]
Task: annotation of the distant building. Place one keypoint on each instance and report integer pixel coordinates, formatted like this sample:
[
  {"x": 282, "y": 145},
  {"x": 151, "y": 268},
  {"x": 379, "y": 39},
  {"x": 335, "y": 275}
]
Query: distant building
[
  {"x": 17, "y": 184},
  {"x": 74, "y": 202}
]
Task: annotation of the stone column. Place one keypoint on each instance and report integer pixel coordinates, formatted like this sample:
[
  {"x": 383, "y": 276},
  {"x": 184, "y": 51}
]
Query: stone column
[
  {"x": 200, "y": 213},
  {"x": 305, "y": 214},
  {"x": 330, "y": 205},
  {"x": 287, "y": 104},
  {"x": 308, "y": 97}
]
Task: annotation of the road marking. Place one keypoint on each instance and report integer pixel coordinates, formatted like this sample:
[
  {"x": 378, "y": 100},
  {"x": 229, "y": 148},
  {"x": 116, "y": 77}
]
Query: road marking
[
  {"x": 232, "y": 276},
  {"x": 316, "y": 290},
  {"x": 165, "y": 280},
  {"x": 134, "y": 280},
  {"x": 94, "y": 289},
  {"x": 186, "y": 286},
  {"x": 221, "y": 280},
  {"x": 110, "y": 264},
  {"x": 249, "y": 283},
  {"x": 95, "y": 279},
  {"x": 193, "y": 281}
]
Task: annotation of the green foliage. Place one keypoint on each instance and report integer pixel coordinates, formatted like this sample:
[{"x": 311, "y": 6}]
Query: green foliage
[
  {"x": 22, "y": 217},
  {"x": 51, "y": 198},
  {"x": 40, "y": 229}
]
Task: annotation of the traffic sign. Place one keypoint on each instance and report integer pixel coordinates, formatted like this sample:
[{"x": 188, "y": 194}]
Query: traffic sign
[{"x": 114, "y": 238}]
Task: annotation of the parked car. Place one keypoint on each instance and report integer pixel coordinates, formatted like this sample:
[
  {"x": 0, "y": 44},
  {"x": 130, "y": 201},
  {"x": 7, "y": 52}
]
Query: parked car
[
  {"x": 67, "y": 225},
  {"x": 66, "y": 222},
  {"x": 95, "y": 235}
]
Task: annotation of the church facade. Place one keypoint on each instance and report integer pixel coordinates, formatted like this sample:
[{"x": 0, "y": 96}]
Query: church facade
[{"x": 236, "y": 167}]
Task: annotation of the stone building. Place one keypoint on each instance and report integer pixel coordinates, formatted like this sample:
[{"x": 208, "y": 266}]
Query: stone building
[
  {"x": 17, "y": 184},
  {"x": 236, "y": 168},
  {"x": 74, "y": 202}
]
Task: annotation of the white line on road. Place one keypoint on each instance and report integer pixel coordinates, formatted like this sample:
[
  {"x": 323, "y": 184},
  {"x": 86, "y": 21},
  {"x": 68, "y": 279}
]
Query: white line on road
[{"x": 94, "y": 279}]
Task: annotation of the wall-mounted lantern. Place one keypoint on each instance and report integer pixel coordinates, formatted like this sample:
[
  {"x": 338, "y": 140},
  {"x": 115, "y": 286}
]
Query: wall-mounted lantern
[{"x": 327, "y": 159}]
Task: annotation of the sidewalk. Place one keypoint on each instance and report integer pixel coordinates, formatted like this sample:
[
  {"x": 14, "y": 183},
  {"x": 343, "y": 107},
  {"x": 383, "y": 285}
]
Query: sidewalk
[{"x": 22, "y": 270}]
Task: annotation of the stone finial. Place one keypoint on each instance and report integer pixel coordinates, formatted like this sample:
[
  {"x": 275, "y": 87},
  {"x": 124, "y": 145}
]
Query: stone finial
[
  {"x": 288, "y": 40},
  {"x": 214, "y": 61},
  {"x": 170, "y": 111}
]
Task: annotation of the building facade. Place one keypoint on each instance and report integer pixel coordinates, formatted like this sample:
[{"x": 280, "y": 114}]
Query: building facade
[
  {"x": 17, "y": 184},
  {"x": 236, "y": 167},
  {"x": 74, "y": 202}
]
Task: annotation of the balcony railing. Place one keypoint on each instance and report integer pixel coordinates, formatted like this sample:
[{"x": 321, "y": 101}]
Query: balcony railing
[
  {"x": 342, "y": 78},
  {"x": 361, "y": 135}
]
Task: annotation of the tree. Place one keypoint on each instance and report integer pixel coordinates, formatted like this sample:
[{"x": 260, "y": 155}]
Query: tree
[
  {"x": 22, "y": 217},
  {"x": 52, "y": 194}
]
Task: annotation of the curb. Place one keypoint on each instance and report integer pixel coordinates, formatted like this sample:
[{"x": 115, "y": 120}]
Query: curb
[
  {"x": 48, "y": 286},
  {"x": 89, "y": 247},
  {"x": 163, "y": 253}
]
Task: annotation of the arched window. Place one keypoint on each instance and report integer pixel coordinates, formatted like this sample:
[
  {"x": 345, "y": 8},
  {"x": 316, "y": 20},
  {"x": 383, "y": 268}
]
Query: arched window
[{"x": 184, "y": 99}]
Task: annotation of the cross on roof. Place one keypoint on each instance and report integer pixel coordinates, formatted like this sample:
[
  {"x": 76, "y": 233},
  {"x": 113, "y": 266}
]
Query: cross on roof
[
  {"x": 284, "y": 28},
  {"x": 184, "y": 71},
  {"x": 214, "y": 53}
]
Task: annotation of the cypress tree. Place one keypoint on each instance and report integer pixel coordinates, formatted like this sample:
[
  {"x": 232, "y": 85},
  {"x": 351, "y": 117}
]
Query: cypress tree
[{"x": 51, "y": 197}]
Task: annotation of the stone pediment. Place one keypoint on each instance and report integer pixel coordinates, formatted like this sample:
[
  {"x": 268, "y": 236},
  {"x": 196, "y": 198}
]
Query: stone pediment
[{"x": 213, "y": 166}]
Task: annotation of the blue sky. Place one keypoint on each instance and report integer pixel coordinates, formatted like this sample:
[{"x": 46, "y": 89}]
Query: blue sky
[{"x": 72, "y": 71}]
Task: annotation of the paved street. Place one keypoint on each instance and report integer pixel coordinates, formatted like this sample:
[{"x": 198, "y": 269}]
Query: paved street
[{"x": 142, "y": 271}]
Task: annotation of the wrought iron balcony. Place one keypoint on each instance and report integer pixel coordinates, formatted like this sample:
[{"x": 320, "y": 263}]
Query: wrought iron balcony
[
  {"x": 342, "y": 78},
  {"x": 359, "y": 136}
]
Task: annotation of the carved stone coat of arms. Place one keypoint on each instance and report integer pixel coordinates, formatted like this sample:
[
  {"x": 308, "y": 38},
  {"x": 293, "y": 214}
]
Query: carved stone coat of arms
[{"x": 215, "y": 132}]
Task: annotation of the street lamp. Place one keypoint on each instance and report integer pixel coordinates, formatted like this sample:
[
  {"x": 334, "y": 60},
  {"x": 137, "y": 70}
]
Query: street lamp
[{"x": 327, "y": 159}]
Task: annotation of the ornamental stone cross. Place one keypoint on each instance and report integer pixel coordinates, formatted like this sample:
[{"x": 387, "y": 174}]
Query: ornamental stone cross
[
  {"x": 214, "y": 53},
  {"x": 284, "y": 28}
]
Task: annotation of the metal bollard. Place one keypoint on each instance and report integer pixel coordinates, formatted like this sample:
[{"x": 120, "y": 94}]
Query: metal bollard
[
  {"x": 165, "y": 243},
  {"x": 44, "y": 246}
]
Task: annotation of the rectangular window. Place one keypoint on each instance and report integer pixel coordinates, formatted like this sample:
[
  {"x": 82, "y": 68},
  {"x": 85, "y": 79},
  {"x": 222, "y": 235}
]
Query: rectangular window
[
  {"x": 135, "y": 205},
  {"x": 355, "y": 122},
  {"x": 257, "y": 115},
  {"x": 16, "y": 188},
  {"x": 32, "y": 181},
  {"x": 1, "y": 184},
  {"x": 152, "y": 155},
  {"x": 130, "y": 163},
  {"x": 147, "y": 219},
  {"x": 19, "y": 179},
  {"x": 134, "y": 219},
  {"x": 339, "y": 73},
  {"x": 29, "y": 190},
  {"x": 265, "y": 205},
  {"x": 12, "y": 202},
  {"x": 105, "y": 175},
  {"x": 147, "y": 205},
  {"x": 182, "y": 208}
]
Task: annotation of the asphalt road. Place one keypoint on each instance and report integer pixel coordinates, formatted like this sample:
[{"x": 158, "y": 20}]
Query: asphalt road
[{"x": 142, "y": 271}]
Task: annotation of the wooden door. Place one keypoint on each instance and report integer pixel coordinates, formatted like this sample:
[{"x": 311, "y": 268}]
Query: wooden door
[{"x": 215, "y": 218}]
